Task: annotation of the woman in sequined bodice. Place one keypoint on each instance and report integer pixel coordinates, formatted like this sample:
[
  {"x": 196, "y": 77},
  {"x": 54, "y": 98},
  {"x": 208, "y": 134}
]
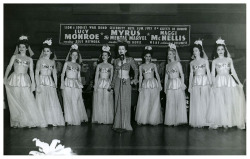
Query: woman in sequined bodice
[
  {"x": 103, "y": 101},
  {"x": 175, "y": 112},
  {"x": 148, "y": 110},
  {"x": 46, "y": 94},
  {"x": 21, "y": 65},
  {"x": 199, "y": 87},
  {"x": 72, "y": 70},
  {"x": 229, "y": 100},
  {"x": 74, "y": 108},
  {"x": 19, "y": 87}
]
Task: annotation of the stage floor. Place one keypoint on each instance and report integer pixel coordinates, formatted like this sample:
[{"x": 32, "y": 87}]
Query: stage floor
[{"x": 94, "y": 139}]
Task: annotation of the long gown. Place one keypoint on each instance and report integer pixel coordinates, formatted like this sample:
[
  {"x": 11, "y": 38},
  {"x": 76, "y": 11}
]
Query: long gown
[
  {"x": 47, "y": 99},
  {"x": 74, "y": 109},
  {"x": 103, "y": 101},
  {"x": 24, "y": 111},
  {"x": 148, "y": 109},
  {"x": 200, "y": 96},
  {"x": 175, "y": 113},
  {"x": 230, "y": 108},
  {"x": 122, "y": 90}
]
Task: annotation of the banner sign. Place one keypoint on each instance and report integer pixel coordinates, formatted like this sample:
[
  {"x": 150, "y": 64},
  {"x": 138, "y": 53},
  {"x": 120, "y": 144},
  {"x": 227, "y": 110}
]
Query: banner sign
[{"x": 136, "y": 35}]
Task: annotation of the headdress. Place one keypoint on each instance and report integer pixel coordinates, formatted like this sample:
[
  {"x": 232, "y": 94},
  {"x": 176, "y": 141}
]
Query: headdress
[
  {"x": 220, "y": 41},
  {"x": 148, "y": 48},
  {"x": 23, "y": 38},
  {"x": 173, "y": 47},
  {"x": 199, "y": 42},
  {"x": 106, "y": 48},
  {"x": 47, "y": 43},
  {"x": 74, "y": 47}
]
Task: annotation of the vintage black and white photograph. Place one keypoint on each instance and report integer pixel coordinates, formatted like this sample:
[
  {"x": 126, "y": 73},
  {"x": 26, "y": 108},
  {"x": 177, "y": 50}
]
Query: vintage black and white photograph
[{"x": 124, "y": 79}]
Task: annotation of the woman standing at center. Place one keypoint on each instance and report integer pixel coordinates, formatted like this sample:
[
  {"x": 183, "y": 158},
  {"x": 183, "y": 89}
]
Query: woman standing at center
[
  {"x": 74, "y": 109},
  {"x": 148, "y": 109},
  {"x": 122, "y": 87},
  {"x": 174, "y": 88}
]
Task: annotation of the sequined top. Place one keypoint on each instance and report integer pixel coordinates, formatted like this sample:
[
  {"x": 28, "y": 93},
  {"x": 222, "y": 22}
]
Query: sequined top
[
  {"x": 174, "y": 81},
  {"x": 20, "y": 78},
  {"x": 200, "y": 76},
  {"x": 104, "y": 70},
  {"x": 45, "y": 78},
  {"x": 223, "y": 78},
  {"x": 150, "y": 70},
  {"x": 173, "y": 72},
  {"x": 45, "y": 66},
  {"x": 199, "y": 67},
  {"x": 71, "y": 68},
  {"x": 223, "y": 68},
  {"x": 21, "y": 62}
]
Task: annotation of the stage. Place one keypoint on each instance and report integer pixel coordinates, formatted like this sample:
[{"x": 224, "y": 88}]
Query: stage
[{"x": 95, "y": 139}]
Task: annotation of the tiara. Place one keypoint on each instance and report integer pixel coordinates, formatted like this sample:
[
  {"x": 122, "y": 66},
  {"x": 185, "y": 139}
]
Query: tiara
[
  {"x": 122, "y": 40},
  {"x": 220, "y": 41},
  {"x": 198, "y": 42},
  {"x": 48, "y": 42},
  {"x": 106, "y": 48},
  {"x": 172, "y": 46},
  {"x": 148, "y": 48},
  {"x": 23, "y": 37},
  {"x": 74, "y": 46}
]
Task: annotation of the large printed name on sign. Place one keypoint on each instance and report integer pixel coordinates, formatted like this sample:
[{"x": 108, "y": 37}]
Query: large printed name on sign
[{"x": 136, "y": 35}]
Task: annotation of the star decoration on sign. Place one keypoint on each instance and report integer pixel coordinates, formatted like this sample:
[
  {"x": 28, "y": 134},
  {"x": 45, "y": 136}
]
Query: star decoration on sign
[{"x": 101, "y": 33}]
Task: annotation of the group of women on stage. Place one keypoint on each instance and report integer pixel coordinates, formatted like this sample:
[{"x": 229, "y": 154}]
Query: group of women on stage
[{"x": 216, "y": 99}]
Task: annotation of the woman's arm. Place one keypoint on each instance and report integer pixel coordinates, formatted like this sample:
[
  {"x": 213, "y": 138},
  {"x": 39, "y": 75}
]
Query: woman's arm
[
  {"x": 96, "y": 76},
  {"x": 37, "y": 72},
  {"x": 157, "y": 76},
  {"x": 140, "y": 78},
  {"x": 55, "y": 73},
  {"x": 63, "y": 74},
  {"x": 182, "y": 75},
  {"x": 9, "y": 67},
  {"x": 208, "y": 72},
  {"x": 135, "y": 68},
  {"x": 234, "y": 72},
  {"x": 33, "y": 83},
  {"x": 166, "y": 80},
  {"x": 213, "y": 72},
  {"x": 111, "y": 72},
  {"x": 190, "y": 78},
  {"x": 79, "y": 73},
  {"x": 114, "y": 75}
]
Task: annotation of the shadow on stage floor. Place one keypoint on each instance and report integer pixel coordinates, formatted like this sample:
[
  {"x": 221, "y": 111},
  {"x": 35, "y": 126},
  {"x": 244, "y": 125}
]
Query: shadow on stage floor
[{"x": 94, "y": 139}]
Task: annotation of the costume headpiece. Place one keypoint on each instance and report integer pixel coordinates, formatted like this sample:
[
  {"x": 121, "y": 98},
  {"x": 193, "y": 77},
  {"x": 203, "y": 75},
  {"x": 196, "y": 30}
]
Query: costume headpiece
[
  {"x": 220, "y": 41},
  {"x": 74, "y": 47},
  {"x": 199, "y": 42},
  {"x": 173, "y": 47},
  {"x": 21, "y": 39}
]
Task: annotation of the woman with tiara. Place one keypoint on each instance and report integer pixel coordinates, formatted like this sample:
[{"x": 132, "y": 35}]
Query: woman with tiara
[
  {"x": 122, "y": 86},
  {"x": 103, "y": 104},
  {"x": 46, "y": 95},
  {"x": 199, "y": 87},
  {"x": 175, "y": 113},
  {"x": 148, "y": 109},
  {"x": 19, "y": 87},
  {"x": 230, "y": 108},
  {"x": 74, "y": 109}
]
